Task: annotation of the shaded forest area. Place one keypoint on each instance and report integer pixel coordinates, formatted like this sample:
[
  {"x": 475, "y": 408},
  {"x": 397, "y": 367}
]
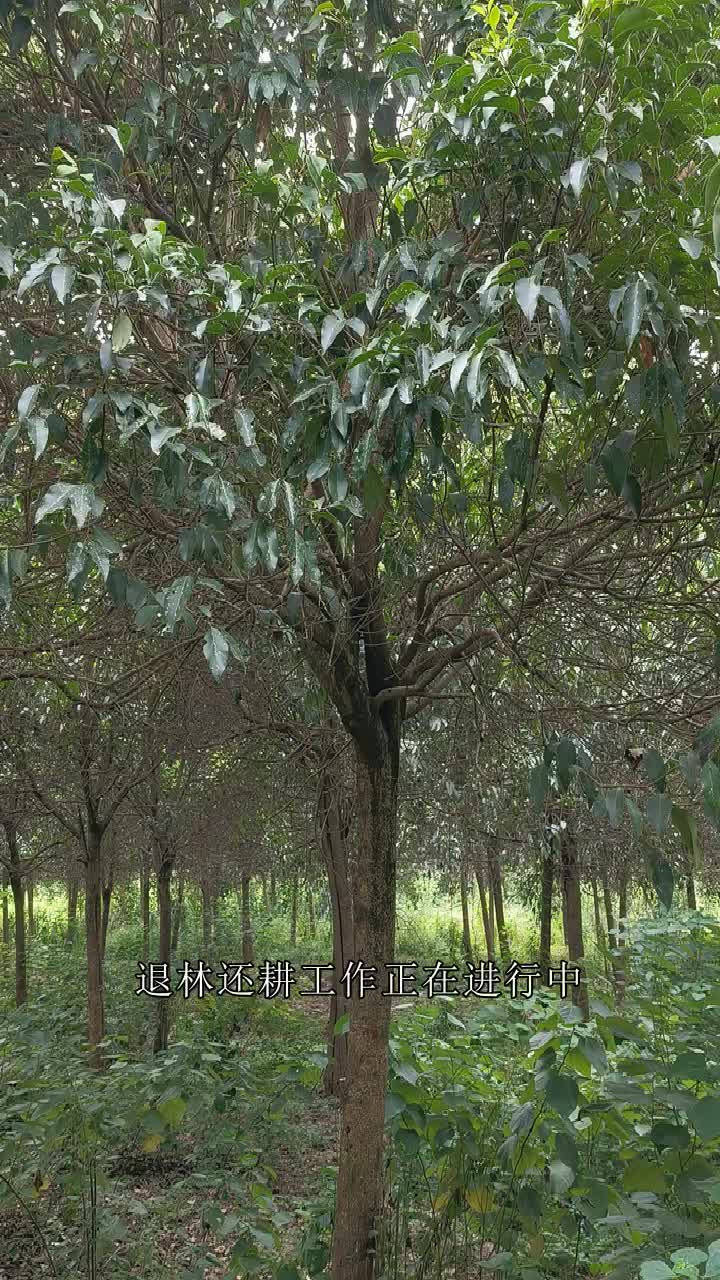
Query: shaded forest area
[{"x": 359, "y": 640}]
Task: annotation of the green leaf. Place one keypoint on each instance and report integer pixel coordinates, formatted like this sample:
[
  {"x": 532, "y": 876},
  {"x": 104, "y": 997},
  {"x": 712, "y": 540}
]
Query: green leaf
[
  {"x": 373, "y": 489},
  {"x": 633, "y": 309},
  {"x": 216, "y": 650},
  {"x": 121, "y": 332},
  {"x": 641, "y": 1175},
  {"x": 631, "y": 19},
  {"x": 539, "y": 785},
  {"x": 705, "y": 1118},
  {"x": 659, "y": 808},
  {"x": 415, "y": 304},
  {"x": 332, "y": 325},
  {"x": 560, "y": 1177},
  {"x": 562, "y": 1093},
  {"x": 172, "y": 1110},
  {"x": 176, "y": 598},
  {"x": 686, "y": 824},
  {"x": 61, "y": 278},
  {"x": 712, "y": 188},
  {"x": 655, "y": 1271},
  {"x": 692, "y": 246},
  {"x": 527, "y": 292},
  {"x": 663, "y": 878}
]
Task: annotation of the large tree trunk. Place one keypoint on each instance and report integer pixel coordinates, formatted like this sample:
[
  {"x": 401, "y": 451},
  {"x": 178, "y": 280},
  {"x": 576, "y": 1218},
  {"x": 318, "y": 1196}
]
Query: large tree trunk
[
  {"x": 486, "y": 908},
  {"x": 145, "y": 907},
  {"x": 498, "y": 899},
  {"x": 294, "y": 911},
  {"x": 164, "y": 877},
  {"x": 18, "y": 893},
  {"x": 248, "y": 948},
  {"x": 72, "y": 905},
  {"x": 31, "y": 908},
  {"x": 467, "y": 937},
  {"x": 333, "y": 837},
  {"x": 573, "y": 914},
  {"x": 93, "y": 937},
  {"x": 546, "y": 897},
  {"x": 359, "y": 1198}
]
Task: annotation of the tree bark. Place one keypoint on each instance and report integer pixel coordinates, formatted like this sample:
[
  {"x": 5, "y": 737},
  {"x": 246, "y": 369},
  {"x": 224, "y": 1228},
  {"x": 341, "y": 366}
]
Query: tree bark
[
  {"x": 18, "y": 892},
  {"x": 497, "y": 893},
  {"x": 690, "y": 887},
  {"x": 72, "y": 905},
  {"x": 248, "y": 944},
  {"x": 488, "y": 917},
  {"x": 546, "y": 897},
  {"x": 145, "y": 907},
  {"x": 164, "y": 877},
  {"x": 467, "y": 937},
  {"x": 5, "y": 909},
  {"x": 206, "y": 916},
  {"x": 294, "y": 911},
  {"x": 107, "y": 892},
  {"x": 332, "y": 833},
  {"x": 573, "y": 914},
  {"x": 93, "y": 936},
  {"x": 177, "y": 918},
  {"x": 31, "y": 908},
  {"x": 360, "y": 1181},
  {"x": 312, "y": 927}
]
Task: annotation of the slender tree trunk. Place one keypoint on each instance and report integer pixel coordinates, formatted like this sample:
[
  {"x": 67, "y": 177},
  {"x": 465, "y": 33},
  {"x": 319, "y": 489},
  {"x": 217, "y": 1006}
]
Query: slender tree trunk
[
  {"x": 164, "y": 877},
  {"x": 546, "y": 898},
  {"x": 312, "y": 927},
  {"x": 333, "y": 840},
  {"x": 206, "y": 916},
  {"x": 488, "y": 918},
  {"x": 273, "y": 891},
  {"x": 690, "y": 887},
  {"x": 145, "y": 907},
  {"x": 264, "y": 892},
  {"x": 72, "y": 905},
  {"x": 294, "y": 911},
  {"x": 107, "y": 892},
  {"x": 599, "y": 932},
  {"x": 467, "y": 937},
  {"x": 177, "y": 917},
  {"x": 573, "y": 913},
  {"x": 497, "y": 892},
  {"x": 31, "y": 908},
  {"x": 359, "y": 1200},
  {"x": 621, "y": 976},
  {"x": 611, "y": 930},
  {"x": 18, "y": 892},
  {"x": 93, "y": 935},
  {"x": 248, "y": 946},
  {"x": 5, "y": 910}
]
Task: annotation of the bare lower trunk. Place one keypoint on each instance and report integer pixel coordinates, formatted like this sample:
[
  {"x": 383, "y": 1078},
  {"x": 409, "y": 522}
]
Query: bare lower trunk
[
  {"x": 18, "y": 892},
  {"x": 164, "y": 877},
  {"x": 177, "y": 917},
  {"x": 206, "y": 917},
  {"x": 72, "y": 906},
  {"x": 599, "y": 932},
  {"x": 294, "y": 912},
  {"x": 145, "y": 908},
  {"x": 332, "y": 833},
  {"x": 359, "y": 1198},
  {"x": 5, "y": 909},
  {"x": 573, "y": 915},
  {"x": 467, "y": 937},
  {"x": 488, "y": 917},
  {"x": 248, "y": 942},
  {"x": 546, "y": 897},
  {"x": 93, "y": 938},
  {"x": 312, "y": 927},
  {"x": 498, "y": 899},
  {"x": 107, "y": 892},
  {"x": 690, "y": 887}
]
